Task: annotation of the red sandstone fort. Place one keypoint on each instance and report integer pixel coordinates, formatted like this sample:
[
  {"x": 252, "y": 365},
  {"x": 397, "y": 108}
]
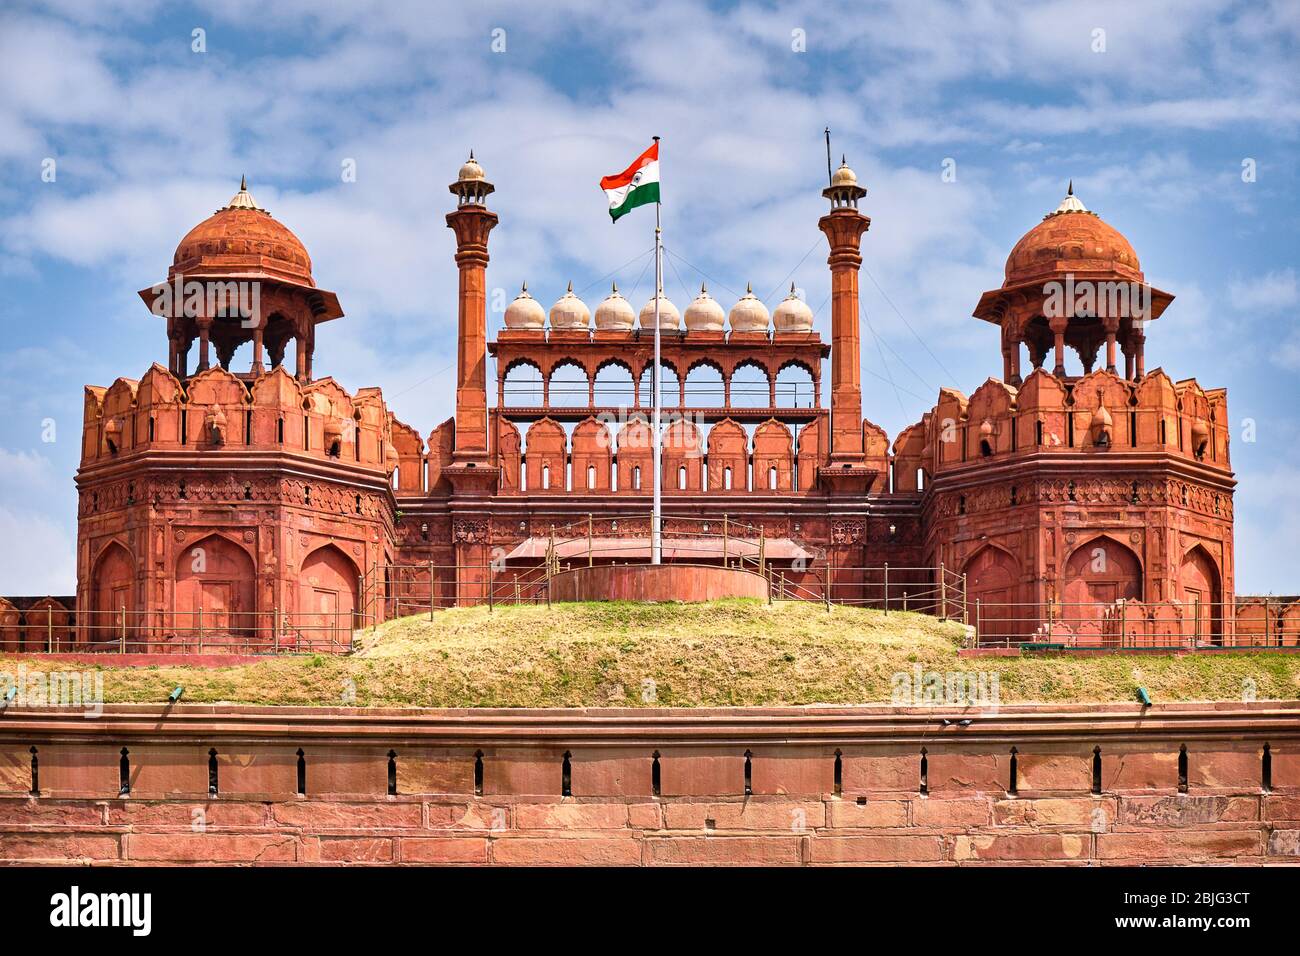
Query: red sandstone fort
[{"x": 269, "y": 505}]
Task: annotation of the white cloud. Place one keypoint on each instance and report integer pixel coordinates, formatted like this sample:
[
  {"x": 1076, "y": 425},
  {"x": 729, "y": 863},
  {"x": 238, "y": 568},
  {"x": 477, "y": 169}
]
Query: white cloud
[
  {"x": 1271, "y": 292},
  {"x": 45, "y": 562}
]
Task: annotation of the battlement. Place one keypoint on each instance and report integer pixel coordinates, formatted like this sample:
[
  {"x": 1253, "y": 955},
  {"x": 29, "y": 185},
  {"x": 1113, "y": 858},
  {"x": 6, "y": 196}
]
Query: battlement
[
  {"x": 1096, "y": 414},
  {"x": 216, "y": 412}
]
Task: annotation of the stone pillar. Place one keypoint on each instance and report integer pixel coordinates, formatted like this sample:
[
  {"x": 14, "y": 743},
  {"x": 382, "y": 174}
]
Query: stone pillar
[
  {"x": 257, "y": 368},
  {"x": 844, "y": 227},
  {"x": 205, "y": 327},
  {"x": 471, "y": 222},
  {"x": 1010, "y": 355},
  {"x": 300, "y": 360},
  {"x": 1112, "y": 326},
  {"x": 1058, "y": 340},
  {"x": 1139, "y": 355}
]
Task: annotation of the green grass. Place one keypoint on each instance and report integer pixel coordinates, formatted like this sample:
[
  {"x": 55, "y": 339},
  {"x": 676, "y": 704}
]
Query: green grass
[{"x": 685, "y": 655}]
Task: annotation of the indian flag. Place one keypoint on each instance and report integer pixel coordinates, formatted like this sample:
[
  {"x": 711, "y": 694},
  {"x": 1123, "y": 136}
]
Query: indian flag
[{"x": 634, "y": 186}]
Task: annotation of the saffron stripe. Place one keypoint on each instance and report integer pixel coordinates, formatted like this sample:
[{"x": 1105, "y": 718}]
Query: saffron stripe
[{"x": 651, "y": 155}]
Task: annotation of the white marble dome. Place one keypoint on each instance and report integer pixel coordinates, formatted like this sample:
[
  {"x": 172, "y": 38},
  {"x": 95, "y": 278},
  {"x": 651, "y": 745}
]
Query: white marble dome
[
  {"x": 570, "y": 312},
  {"x": 704, "y": 314},
  {"x": 793, "y": 314},
  {"x": 525, "y": 312},
  {"x": 615, "y": 313},
  {"x": 844, "y": 176},
  {"x": 471, "y": 171},
  {"x": 749, "y": 314},
  {"x": 670, "y": 319}
]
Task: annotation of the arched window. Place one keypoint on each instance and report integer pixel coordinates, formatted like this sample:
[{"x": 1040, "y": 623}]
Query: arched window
[
  {"x": 522, "y": 386},
  {"x": 591, "y": 477},
  {"x": 636, "y": 478},
  {"x": 726, "y": 479},
  {"x": 750, "y": 387},
  {"x": 794, "y": 387},
  {"x": 569, "y": 386},
  {"x": 704, "y": 388},
  {"x": 546, "y": 477},
  {"x": 681, "y": 478},
  {"x": 670, "y": 392},
  {"x": 920, "y": 479},
  {"x": 613, "y": 388}
]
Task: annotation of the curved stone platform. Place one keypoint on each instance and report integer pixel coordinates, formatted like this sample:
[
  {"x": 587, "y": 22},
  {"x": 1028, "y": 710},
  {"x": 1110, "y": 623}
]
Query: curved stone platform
[{"x": 656, "y": 582}]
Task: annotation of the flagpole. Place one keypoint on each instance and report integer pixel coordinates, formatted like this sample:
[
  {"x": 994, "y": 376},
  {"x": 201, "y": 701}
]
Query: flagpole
[{"x": 656, "y": 517}]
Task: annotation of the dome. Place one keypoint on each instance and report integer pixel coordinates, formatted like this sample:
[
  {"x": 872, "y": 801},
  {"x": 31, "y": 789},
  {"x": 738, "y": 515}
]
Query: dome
[
  {"x": 749, "y": 314},
  {"x": 1071, "y": 239},
  {"x": 793, "y": 314},
  {"x": 241, "y": 238},
  {"x": 471, "y": 171},
  {"x": 844, "y": 176},
  {"x": 570, "y": 312},
  {"x": 615, "y": 313},
  {"x": 525, "y": 312},
  {"x": 704, "y": 314},
  {"x": 669, "y": 318}
]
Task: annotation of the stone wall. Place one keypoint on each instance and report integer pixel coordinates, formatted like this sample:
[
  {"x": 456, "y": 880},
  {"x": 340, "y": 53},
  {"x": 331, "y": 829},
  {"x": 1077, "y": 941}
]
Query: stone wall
[{"x": 1028, "y": 784}]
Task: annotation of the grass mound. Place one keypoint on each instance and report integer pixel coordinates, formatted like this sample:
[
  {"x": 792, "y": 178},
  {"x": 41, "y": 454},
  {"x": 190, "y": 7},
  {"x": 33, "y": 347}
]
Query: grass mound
[{"x": 723, "y": 653}]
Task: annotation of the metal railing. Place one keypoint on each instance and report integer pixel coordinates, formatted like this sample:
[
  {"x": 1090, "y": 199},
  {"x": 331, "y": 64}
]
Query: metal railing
[
  {"x": 200, "y": 631},
  {"x": 403, "y": 589},
  {"x": 1125, "y": 625}
]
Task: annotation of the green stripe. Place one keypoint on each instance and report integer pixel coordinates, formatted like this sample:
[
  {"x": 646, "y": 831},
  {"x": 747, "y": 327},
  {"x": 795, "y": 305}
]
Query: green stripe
[{"x": 636, "y": 197}]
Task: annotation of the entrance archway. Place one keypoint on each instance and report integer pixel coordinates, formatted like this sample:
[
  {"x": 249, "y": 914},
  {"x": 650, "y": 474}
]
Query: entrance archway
[
  {"x": 217, "y": 577},
  {"x": 1099, "y": 573},
  {"x": 111, "y": 592},
  {"x": 992, "y": 579},
  {"x": 327, "y": 597},
  {"x": 1198, "y": 586}
]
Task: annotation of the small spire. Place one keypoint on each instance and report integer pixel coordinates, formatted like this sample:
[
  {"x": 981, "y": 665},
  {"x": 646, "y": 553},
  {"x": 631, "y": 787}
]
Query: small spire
[
  {"x": 570, "y": 287},
  {"x": 614, "y": 287},
  {"x": 791, "y": 288},
  {"x": 844, "y": 159},
  {"x": 703, "y": 289},
  {"x": 471, "y": 154},
  {"x": 242, "y": 199},
  {"x": 749, "y": 288},
  {"x": 1070, "y": 189},
  {"x": 524, "y": 289}
]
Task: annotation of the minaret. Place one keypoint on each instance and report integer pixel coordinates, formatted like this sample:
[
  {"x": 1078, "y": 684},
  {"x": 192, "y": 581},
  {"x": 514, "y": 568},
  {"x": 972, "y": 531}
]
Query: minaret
[
  {"x": 472, "y": 221},
  {"x": 844, "y": 227}
]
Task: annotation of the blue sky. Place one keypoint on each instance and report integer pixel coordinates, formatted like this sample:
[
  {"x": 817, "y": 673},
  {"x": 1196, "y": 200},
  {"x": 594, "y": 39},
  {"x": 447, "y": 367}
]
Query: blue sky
[{"x": 1152, "y": 118}]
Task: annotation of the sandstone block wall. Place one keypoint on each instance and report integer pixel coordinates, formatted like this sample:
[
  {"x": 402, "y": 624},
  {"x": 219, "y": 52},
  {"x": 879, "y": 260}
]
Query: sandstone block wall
[{"x": 813, "y": 787}]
